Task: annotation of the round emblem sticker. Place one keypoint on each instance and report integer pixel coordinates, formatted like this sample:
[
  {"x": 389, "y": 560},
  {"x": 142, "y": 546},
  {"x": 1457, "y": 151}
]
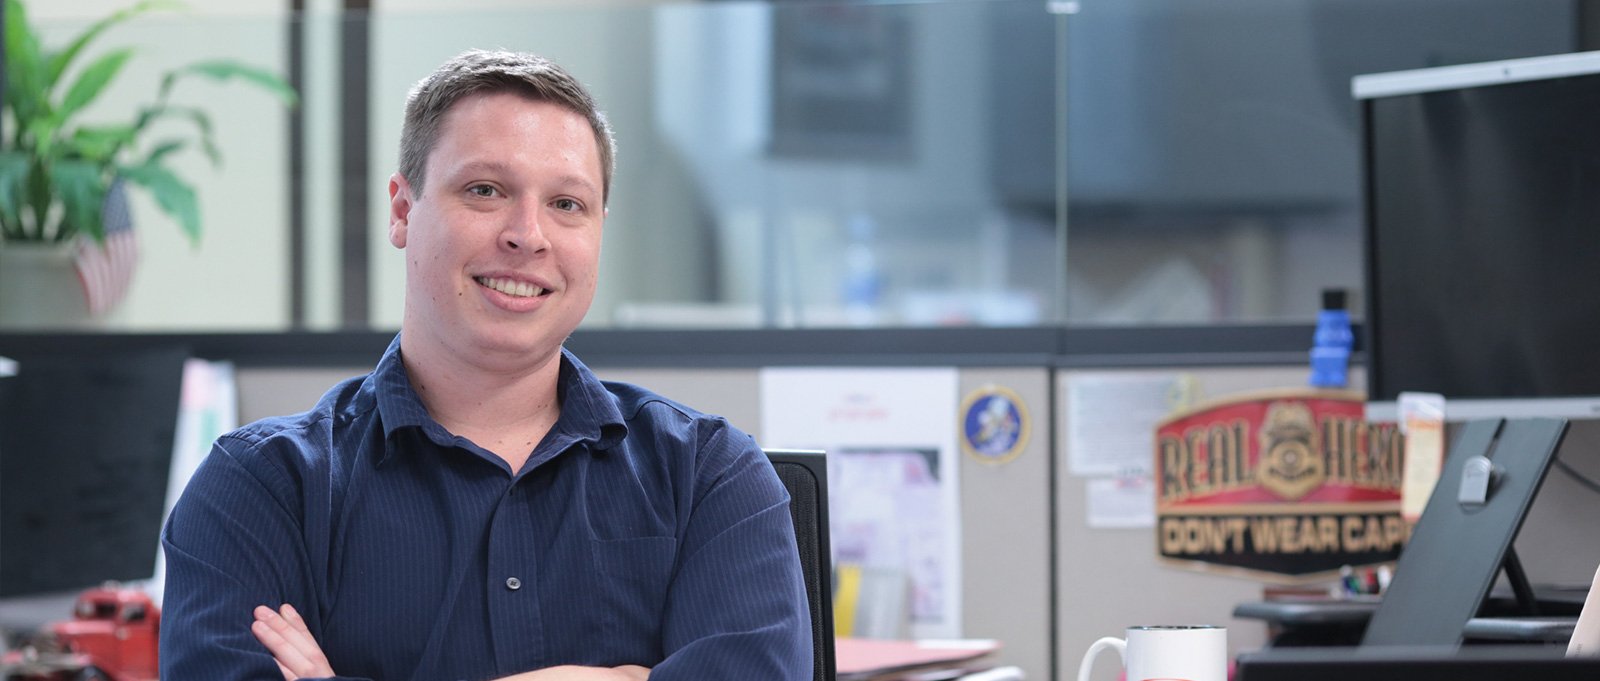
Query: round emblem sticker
[{"x": 994, "y": 425}]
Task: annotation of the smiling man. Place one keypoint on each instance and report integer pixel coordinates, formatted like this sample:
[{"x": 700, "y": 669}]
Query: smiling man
[{"x": 481, "y": 506}]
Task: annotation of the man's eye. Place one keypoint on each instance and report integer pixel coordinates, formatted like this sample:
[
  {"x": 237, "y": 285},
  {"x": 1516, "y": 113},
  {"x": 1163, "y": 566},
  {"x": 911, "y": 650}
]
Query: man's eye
[
  {"x": 567, "y": 205},
  {"x": 483, "y": 190}
]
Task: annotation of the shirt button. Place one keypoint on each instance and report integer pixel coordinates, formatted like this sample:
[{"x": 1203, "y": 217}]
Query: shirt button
[{"x": 513, "y": 583}]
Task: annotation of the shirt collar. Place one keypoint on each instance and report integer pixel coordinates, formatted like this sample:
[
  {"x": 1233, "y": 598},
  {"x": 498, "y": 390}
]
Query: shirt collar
[{"x": 589, "y": 412}]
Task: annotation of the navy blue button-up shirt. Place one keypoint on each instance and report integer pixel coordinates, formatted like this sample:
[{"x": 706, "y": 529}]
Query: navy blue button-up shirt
[{"x": 639, "y": 532}]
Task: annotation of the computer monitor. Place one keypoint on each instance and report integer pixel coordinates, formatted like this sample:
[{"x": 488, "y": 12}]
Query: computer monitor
[
  {"x": 86, "y": 444},
  {"x": 1482, "y": 236}
]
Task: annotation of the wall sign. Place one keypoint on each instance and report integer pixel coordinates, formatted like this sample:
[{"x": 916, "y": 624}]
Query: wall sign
[{"x": 1288, "y": 486}]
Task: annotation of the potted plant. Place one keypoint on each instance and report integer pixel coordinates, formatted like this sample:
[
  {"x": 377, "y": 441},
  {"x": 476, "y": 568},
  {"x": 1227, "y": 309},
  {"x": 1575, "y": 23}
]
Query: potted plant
[{"x": 62, "y": 179}]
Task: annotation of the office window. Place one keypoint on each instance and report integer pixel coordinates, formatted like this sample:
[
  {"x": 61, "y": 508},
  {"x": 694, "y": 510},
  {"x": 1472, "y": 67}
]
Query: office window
[{"x": 815, "y": 164}]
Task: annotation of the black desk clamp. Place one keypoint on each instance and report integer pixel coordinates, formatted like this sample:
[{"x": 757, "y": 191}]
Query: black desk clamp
[{"x": 1479, "y": 476}]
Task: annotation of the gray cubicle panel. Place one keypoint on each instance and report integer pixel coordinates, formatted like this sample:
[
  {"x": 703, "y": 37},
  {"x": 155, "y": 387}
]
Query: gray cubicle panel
[
  {"x": 1005, "y": 508},
  {"x": 1109, "y": 579},
  {"x": 1104, "y": 579},
  {"x": 1036, "y": 576}
]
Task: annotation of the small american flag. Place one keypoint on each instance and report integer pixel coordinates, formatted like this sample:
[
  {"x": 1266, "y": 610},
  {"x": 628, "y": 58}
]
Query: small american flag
[{"x": 105, "y": 269}]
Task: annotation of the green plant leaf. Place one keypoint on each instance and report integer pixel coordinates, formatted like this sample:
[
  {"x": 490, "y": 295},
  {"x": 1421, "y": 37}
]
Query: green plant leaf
[
  {"x": 13, "y": 175},
  {"x": 43, "y": 132},
  {"x": 100, "y": 143},
  {"x": 226, "y": 69},
  {"x": 61, "y": 60},
  {"x": 25, "y": 73},
  {"x": 161, "y": 151},
  {"x": 90, "y": 82},
  {"x": 81, "y": 188},
  {"x": 201, "y": 120},
  {"x": 39, "y": 193},
  {"x": 172, "y": 194}
]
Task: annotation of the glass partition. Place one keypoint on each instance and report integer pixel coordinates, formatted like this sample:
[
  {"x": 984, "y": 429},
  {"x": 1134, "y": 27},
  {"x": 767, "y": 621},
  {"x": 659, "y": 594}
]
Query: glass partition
[
  {"x": 812, "y": 164},
  {"x": 1214, "y": 171},
  {"x": 816, "y": 164}
]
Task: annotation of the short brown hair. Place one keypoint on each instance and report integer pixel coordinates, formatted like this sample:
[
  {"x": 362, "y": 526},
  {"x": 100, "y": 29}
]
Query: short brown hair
[{"x": 480, "y": 71}]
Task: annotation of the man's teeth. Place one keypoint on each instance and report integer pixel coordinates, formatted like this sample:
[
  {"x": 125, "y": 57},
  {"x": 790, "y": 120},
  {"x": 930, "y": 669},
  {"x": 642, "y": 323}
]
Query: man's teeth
[{"x": 511, "y": 287}]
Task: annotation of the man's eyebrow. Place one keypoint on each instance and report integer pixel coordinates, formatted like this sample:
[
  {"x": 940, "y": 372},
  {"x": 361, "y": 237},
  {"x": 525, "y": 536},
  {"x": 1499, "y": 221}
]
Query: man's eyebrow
[
  {"x": 482, "y": 167},
  {"x": 501, "y": 167},
  {"x": 577, "y": 181}
]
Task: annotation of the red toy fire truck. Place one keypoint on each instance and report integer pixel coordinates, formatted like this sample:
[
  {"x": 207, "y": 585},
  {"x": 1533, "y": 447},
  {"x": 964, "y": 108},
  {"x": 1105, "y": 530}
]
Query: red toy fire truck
[{"x": 112, "y": 636}]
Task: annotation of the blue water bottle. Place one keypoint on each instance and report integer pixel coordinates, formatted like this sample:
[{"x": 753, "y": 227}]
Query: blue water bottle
[
  {"x": 863, "y": 285},
  {"x": 1330, "y": 349}
]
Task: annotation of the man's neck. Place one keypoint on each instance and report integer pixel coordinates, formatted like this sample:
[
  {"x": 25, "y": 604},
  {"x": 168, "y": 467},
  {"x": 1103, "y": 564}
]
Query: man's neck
[{"x": 504, "y": 408}]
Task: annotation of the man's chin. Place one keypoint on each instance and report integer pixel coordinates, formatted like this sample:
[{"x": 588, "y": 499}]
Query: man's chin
[{"x": 520, "y": 343}]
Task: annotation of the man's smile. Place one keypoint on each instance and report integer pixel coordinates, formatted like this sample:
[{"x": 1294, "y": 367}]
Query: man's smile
[{"x": 510, "y": 287}]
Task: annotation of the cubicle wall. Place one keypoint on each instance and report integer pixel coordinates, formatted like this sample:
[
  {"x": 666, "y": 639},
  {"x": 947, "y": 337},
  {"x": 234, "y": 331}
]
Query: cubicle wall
[
  {"x": 1109, "y": 579},
  {"x": 1029, "y": 517},
  {"x": 1035, "y": 574},
  {"x": 1005, "y": 508}
]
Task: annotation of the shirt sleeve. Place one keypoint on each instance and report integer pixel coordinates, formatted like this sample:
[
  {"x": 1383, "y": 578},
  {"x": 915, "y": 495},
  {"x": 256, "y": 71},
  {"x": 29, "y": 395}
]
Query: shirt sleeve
[
  {"x": 737, "y": 607},
  {"x": 232, "y": 542}
]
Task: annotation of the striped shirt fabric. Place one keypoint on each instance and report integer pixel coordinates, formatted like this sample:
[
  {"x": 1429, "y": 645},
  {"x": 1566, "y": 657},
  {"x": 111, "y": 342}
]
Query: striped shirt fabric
[{"x": 639, "y": 532}]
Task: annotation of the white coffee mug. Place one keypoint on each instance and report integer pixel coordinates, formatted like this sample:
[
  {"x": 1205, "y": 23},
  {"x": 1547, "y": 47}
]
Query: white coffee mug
[{"x": 1167, "y": 653}]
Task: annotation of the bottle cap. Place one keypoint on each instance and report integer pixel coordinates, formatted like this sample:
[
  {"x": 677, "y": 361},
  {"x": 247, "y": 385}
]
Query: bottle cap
[{"x": 1333, "y": 298}]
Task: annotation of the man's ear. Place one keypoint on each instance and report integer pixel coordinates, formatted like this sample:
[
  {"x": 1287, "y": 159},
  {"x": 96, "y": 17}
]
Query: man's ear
[{"x": 400, "y": 203}]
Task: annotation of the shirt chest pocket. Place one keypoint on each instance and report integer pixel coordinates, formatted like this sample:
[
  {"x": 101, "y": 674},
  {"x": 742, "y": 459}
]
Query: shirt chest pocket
[{"x": 630, "y": 583}]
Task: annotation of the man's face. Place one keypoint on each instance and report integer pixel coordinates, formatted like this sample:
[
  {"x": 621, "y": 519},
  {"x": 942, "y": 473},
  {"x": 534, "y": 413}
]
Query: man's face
[{"x": 503, "y": 245}]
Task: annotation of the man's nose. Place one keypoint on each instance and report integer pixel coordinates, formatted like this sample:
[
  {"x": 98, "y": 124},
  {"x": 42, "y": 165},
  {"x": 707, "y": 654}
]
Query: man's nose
[{"x": 524, "y": 230}]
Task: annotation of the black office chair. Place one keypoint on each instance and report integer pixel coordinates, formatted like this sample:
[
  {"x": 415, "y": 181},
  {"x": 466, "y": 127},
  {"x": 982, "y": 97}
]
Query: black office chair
[{"x": 805, "y": 475}]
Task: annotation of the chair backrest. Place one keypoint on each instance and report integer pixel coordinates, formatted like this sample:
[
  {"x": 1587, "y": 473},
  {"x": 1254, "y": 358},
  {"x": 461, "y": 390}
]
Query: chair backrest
[{"x": 805, "y": 475}]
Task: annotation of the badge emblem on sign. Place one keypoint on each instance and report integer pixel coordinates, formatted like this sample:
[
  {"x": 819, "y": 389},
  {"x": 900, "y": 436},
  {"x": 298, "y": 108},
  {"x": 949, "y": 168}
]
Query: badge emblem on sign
[{"x": 1290, "y": 467}]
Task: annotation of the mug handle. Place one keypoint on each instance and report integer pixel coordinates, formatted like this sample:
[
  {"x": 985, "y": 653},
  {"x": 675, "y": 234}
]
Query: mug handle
[{"x": 1111, "y": 642}]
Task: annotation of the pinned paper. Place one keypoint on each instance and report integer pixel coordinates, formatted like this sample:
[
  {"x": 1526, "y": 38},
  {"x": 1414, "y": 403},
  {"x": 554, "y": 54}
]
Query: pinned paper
[{"x": 1422, "y": 423}]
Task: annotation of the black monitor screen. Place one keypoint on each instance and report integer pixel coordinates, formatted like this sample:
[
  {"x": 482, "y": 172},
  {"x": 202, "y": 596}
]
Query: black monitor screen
[
  {"x": 85, "y": 450},
  {"x": 1483, "y": 240}
]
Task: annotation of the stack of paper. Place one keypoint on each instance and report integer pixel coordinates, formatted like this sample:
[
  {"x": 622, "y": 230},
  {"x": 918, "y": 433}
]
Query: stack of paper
[{"x": 860, "y": 659}]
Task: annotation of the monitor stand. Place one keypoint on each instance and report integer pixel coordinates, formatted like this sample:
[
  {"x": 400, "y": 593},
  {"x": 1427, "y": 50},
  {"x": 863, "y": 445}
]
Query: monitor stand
[
  {"x": 1461, "y": 544},
  {"x": 1527, "y": 602}
]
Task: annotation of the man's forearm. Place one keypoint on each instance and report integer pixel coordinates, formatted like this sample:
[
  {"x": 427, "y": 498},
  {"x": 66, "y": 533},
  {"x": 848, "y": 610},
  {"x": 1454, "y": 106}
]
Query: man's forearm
[{"x": 298, "y": 654}]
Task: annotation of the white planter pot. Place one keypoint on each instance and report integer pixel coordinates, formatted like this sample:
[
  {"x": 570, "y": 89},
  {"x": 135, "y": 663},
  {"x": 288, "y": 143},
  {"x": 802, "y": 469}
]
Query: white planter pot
[{"x": 40, "y": 290}]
